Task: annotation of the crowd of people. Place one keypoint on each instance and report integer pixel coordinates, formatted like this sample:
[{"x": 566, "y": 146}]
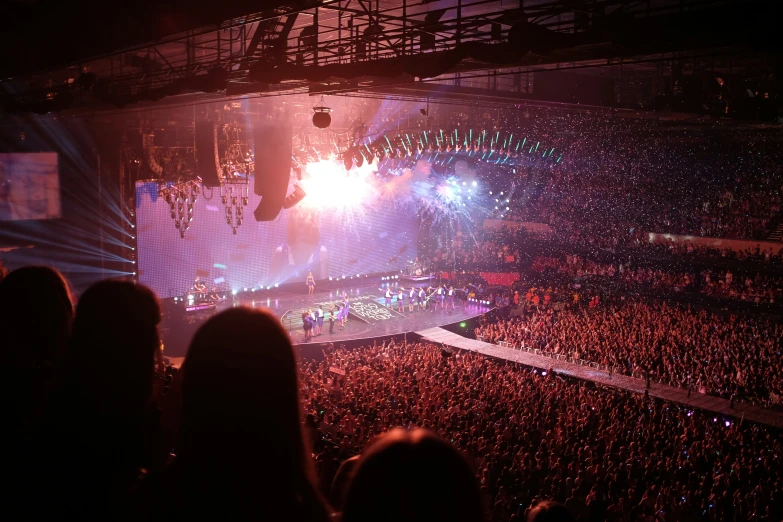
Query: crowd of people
[
  {"x": 759, "y": 288},
  {"x": 620, "y": 176},
  {"x": 606, "y": 455},
  {"x": 727, "y": 355},
  {"x": 578, "y": 267},
  {"x": 748, "y": 286}
]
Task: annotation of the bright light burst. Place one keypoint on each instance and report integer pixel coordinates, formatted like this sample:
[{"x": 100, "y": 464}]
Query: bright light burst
[
  {"x": 354, "y": 192},
  {"x": 330, "y": 187}
]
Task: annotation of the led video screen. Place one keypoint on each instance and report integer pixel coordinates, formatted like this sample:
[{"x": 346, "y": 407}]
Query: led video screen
[
  {"x": 315, "y": 235},
  {"x": 29, "y": 186}
]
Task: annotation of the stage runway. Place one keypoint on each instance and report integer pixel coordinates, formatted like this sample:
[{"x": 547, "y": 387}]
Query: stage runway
[{"x": 367, "y": 299}]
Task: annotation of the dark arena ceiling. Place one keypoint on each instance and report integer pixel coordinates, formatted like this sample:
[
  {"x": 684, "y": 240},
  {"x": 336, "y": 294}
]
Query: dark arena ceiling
[{"x": 711, "y": 57}]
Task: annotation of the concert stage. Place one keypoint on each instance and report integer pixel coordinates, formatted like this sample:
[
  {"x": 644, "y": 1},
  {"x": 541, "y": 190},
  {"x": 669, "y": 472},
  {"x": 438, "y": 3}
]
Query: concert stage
[{"x": 369, "y": 318}]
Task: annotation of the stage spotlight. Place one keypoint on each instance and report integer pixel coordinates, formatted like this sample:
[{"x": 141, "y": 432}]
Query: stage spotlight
[
  {"x": 330, "y": 279},
  {"x": 233, "y": 292},
  {"x": 275, "y": 285},
  {"x": 134, "y": 273},
  {"x": 295, "y": 197},
  {"x": 321, "y": 118}
]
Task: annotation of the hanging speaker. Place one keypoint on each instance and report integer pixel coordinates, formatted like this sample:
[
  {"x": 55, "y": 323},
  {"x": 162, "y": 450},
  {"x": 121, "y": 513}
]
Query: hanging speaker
[
  {"x": 207, "y": 154},
  {"x": 272, "y": 143}
]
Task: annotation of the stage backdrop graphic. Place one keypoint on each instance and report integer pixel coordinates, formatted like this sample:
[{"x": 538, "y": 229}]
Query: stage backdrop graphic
[
  {"x": 381, "y": 238},
  {"x": 29, "y": 186}
]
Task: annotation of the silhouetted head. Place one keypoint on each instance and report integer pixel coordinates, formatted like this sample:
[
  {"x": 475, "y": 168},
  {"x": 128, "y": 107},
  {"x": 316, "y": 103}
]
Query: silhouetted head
[
  {"x": 412, "y": 476},
  {"x": 35, "y": 321},
  {"x": 115, "y": 346},
  {"x": 240, "y": 407},
  {"x": 341, "y": 481},
  {"x": 35, "y": 318},
  {"x": 549, "y": 511}
]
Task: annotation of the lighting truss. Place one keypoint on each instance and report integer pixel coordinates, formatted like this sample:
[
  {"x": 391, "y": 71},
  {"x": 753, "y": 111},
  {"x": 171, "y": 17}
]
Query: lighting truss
[{"x": 489, "y": 147}]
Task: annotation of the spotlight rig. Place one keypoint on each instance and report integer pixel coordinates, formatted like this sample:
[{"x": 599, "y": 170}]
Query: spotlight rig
[{"x": 442, "y": 148}]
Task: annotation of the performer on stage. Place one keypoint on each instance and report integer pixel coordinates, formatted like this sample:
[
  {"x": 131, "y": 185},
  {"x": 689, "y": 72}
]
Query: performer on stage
[
  {"x": 441, "y": 297},
  {"x": 388, "y": 296},
  {"x": 346, "y": 309},
  {"x": 306, "y": 325},
  {"x": 214, "y": 296},
  {"x": 331, "y": 319},
  {"x": 310, "y": 283},
  {"x": 411, "y": 298},
  {"x": 199, "y": 286},
  {"x": 422, "y": 298},
  {"x": 340, "y": 316},
  {"x": 400, "y": 300},
  {"x": 451, "y": 298},
  {"x": 319, "y": 317}
]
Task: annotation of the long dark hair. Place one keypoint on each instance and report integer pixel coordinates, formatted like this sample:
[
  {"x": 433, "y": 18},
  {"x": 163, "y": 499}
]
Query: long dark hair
[
  {"x": 413, "y": 476},
  {"x": 241, "y": 437}
]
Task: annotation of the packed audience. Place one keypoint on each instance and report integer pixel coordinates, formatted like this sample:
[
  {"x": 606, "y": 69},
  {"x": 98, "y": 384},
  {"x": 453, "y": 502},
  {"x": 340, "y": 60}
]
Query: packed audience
[
  {"x": 618, "y": 177},
  {"x": 726, "y": 355},
  {"x": 575, "y": 266},
  {"x": 98, "y": 427},
  {"x": 606, "y": 455},
  {"x": 758, "y": 289},
  {"x": 723, "y": 284}
]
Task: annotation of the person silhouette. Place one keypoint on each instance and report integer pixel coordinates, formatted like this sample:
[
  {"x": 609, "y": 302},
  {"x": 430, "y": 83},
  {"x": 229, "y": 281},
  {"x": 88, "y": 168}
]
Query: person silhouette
[
  {"x": 241, "y": 453},
  {"x": 412, "y": 476}
]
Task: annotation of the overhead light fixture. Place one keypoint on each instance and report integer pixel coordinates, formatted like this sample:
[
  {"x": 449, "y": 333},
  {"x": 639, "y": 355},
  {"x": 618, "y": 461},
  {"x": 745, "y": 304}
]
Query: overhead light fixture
[
  {"x": 181, "y": 197},
  {"x": 295, "y": 197},
  {"x": 321, "y": 118}
]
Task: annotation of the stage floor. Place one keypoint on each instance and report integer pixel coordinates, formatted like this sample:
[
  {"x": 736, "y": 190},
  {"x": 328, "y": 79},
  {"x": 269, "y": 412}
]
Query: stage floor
[{"x": 289, "y": 306}]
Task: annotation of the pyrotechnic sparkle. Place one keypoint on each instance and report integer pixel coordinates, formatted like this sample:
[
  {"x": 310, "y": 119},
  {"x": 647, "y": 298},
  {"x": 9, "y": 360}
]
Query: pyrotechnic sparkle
[{"x": 330, "y": 187}]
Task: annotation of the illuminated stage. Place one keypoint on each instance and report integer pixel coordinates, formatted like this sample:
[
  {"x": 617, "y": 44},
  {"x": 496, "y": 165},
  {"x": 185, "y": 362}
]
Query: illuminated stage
[{"x": 289, "y": 307}]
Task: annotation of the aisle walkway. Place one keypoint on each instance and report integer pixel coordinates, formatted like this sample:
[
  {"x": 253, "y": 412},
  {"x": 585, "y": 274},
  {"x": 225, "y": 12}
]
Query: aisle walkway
[{"x": 670, "y": 393}]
